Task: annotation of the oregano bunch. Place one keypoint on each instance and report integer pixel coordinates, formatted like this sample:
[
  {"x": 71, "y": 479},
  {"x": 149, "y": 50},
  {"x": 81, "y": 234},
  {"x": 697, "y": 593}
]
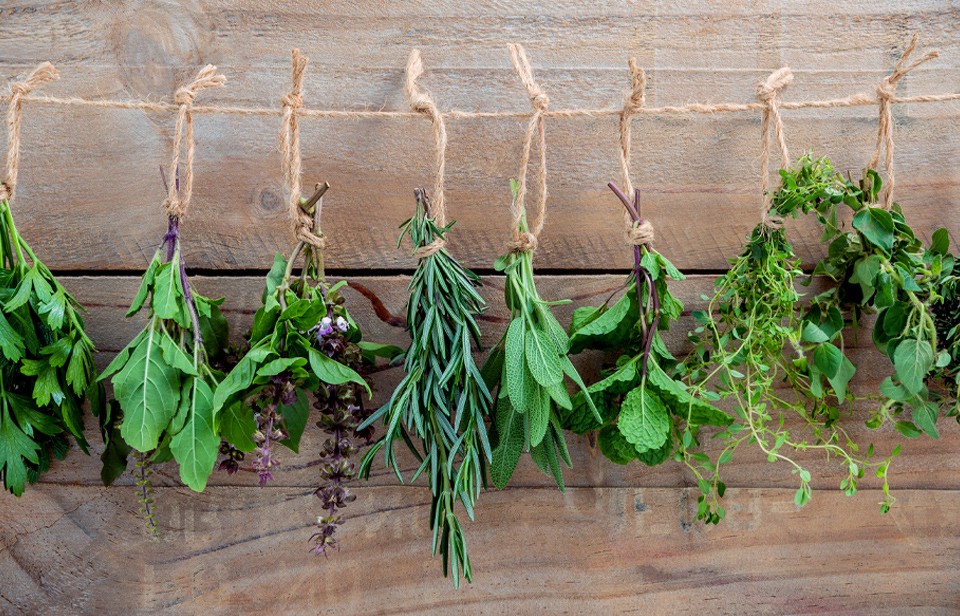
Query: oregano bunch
[
  {"x": 753, "y": 338},
  {"x": 302, "y": 342},
  {"x": 527, "y": 368},
  {"x": 46, "y": 363},
  {"x": 880, "y": 266},
  {"x": 645, "y": 410},
  {"x": 440, "y": 407}
]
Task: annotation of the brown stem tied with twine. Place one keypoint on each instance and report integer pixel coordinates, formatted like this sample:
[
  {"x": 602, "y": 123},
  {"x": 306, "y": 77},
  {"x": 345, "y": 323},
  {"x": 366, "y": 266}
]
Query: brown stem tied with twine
[
  {"x": 768, "y": 93},
  {"x": 527, "y": 239},
  {"x": 886, "y": 93},
  {"x": 18, "y": 90},
  {"x": 422, "y": 102},
  {"x": 178, "y": 201}
]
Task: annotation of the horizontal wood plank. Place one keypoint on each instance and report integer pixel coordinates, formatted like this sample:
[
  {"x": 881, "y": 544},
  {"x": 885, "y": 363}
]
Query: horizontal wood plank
[{"x": 67, "y": 550}]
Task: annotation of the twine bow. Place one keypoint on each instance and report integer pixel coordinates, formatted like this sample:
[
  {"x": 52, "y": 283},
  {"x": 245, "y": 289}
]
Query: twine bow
[
  {"x": 539, "y": 102},
  {"x": 18, "y": 89},
  {"x": 768, "y": 93},
  {"x": 178, "y": 201},
  {"x": 886, "y": 91},
  {"x": 422, "y": 102}
]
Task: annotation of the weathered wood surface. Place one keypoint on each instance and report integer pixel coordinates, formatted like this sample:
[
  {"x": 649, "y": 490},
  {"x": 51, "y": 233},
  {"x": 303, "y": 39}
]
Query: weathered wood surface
[
  {"x": 590, "y": 550},
  {"x": 698, "y": 174},
  {"x": 621, "y": 539}
]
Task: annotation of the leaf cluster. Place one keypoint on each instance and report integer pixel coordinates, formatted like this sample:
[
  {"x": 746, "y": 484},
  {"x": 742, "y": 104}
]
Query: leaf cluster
[
  {"x": 527, "y": 368},
  {"x": 46, "y": 363},
  {"x": 442, "y": 401}
]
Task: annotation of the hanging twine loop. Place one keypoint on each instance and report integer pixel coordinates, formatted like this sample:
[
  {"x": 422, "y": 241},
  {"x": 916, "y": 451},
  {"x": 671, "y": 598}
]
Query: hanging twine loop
[
  {"x": 886, "y": 92},
  {"x": 539, "y": 102},
  {"x": 305, "y": 225},
  {"x": 422, "y": 102},
  {"x": 638, "y": 232},
  {"x": 768, "y": 93},
  {"x": 178, "y": 201},
  {"x": 18, "y": 89}
]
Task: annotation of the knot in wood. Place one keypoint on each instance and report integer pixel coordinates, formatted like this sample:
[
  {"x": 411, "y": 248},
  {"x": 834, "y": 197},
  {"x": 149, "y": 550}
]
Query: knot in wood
[
  {"x": 292, "y": 100},
  {"x": 641, "y": 233},
  {"x": 524, "y": 242},
  {"x": 430, "y": 249}
]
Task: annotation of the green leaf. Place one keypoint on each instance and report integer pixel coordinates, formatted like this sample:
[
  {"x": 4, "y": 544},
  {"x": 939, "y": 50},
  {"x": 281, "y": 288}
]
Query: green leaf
[
  {"x": 876, "y": 225},
  {"x": 15, "y": 446},
  {"x": 149, "y": 392},
  {"x": 925, "y": 417},
  {"x": 241, "y": 376},
  {"x": 680, "y": 402},
  {"x": 333, "y": 372},
  {"x": 145, "y": 285},
  {"x": 610, "y": 328},
  {"x": 509, "y": 446},
  {"x": 615, "y": 447},
  {"x": 175, "y": 356},
  {"x": 644, "y": 420},
  {"x": 295, "y": 418},
  {"x": 167, "y": 290},
  {"x": 46, "y": 387},
  {"x": 812, "y": 333},
  {"x": 913, "y": 359},
  {"x": 543, "y": 358},
  {"x": 236, "y": 425},
  {"x": 828, "y": 358},
  {"x": 275, "y": 275},
  {"x": 865, "y": 272},
  {"x": 11, "y": 343},
  {"x": 940, "y": 243},
  {"x": 196, "y": 446}
]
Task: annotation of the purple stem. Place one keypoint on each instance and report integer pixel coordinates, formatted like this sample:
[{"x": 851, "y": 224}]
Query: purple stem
[{"x": 171, "y": 240}]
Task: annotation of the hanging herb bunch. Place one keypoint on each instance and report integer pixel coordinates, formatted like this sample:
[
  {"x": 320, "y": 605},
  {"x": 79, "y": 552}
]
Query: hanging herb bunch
[
  {"x": 879, "y": 266},
  {"x": 163, "y": 381},
  {"x": 46, "y": 363},
  {"x": 945, "y": 383},
  {"x": 753, "y": 337},
  {"x": 645, "y": 411},
  {"x": 528, "y": 366},
  {"x": 442, "y": 402},
  {"x": 302, "y": 342}
]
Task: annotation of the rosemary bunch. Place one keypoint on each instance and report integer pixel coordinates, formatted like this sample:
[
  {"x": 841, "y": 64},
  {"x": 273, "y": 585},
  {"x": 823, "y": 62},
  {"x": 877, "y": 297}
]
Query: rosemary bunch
[
  {"x": 528, "y": 366},
  {"x": 442, "y": 401}
]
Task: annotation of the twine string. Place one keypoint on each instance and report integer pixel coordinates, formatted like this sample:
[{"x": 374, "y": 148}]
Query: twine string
[
  {"x": 639, "y": 232},
  {"x": 421, "y": 102},
  {"x": 18, "y": 90},
  {"x": 886, "y": 95},
  {"x": 306, "y": 226},
  {"x": 768, "y": 93},
  {"x": 178, "y": 201},
  {"x": 527, "y": 241}
]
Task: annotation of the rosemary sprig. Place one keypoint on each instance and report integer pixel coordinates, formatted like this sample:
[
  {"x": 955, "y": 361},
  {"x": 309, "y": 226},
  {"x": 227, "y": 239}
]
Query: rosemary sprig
[{"x": 442, "y": 401}]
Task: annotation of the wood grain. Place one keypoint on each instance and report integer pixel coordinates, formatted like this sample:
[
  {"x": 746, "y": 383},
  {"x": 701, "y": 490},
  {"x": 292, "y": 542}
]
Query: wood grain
[
  {"x": 698, "y": 174},
  {"x": 76, "y": 550}
]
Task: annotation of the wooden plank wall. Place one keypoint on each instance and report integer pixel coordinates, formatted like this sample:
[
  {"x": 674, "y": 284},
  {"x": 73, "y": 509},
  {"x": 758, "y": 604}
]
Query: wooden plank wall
[{"x": 621, "y": 539}]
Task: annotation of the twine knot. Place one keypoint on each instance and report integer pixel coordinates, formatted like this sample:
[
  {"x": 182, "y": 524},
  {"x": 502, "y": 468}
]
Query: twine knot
[
  {"x": 778, "y": 80},
  {"x": 430, "y": 249},
  {"x": 40, "y": 75},
  {"x": 886, "y": 89},
  {"x": 772, "y": 222},
  {"x": 641, "y": 233},
  {"x": 524, "y": 242},
  {"x": 20, "y": 88},
  {"x": 307, "y": 236},
  {"x": 292, "y": 100},
  {"x": 539, "y": 101},
  {"x": 184, "y": 96}
]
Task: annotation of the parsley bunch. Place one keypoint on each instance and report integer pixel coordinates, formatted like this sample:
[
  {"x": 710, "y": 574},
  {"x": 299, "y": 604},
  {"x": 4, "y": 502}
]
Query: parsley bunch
[
  {"x": 645, "y": 410},
  {"x": 754, "y": 336},
  {"x": 442, "y": 401},
  {"x": 528, "y": 367},
  {"x": 162, "y": 381},
  {"x": 46, "y": 363}
]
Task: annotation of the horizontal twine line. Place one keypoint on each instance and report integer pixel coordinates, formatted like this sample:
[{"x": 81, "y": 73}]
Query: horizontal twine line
[{"x": 858, "y": 100}]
